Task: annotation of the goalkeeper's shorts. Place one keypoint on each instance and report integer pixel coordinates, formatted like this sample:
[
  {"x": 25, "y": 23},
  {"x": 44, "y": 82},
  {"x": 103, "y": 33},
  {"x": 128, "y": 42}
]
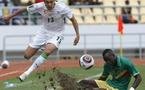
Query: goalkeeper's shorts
[{"x": 104, "y": 85}]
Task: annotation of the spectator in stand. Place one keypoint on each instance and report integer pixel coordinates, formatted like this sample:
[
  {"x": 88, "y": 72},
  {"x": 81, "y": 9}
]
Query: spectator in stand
[
  {"x": 5, "y": 2},
  {"x": 4, "y": 10},
  {"x": 16, "y": 2},
  {"x": 75, "y": 2},
  {"x": 30, "y": 2},
  {"x": 37, "y": 1},
  {"x": 97, "y": 2},
  {"x": 18, "y": 19},
  {"x": 126, "y": 14},
  {"x": 86, "y": 2}
]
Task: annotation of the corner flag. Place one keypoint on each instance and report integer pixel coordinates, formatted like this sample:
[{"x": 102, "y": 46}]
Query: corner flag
[{"x": 120, "y": 25}]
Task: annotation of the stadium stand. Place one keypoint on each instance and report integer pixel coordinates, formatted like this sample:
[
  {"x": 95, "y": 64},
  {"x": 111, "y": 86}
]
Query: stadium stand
[
  {"x": 24, "y": 1},
  {"x": 86, "y": 11},
  {"x": 76, "y": 11},
  {"x": 111, "y": 19},
  {"x": 120, "y": 3},
  {"x": 109, "y": 11},
  {"x": 142, "y": 10},
  {"x": 89, "y": 20},
  {"x": 99, "y": 19},
  {"x": 135, "y": 10},
  {"x": 142, "y": 19},
  {"x": 142, "y": 2},
  {"x": 108, "y": 2},
  {"x": 97, "y": 11},
  {"x": 134, "y": 2},
  {"x": 105, "y": 13}
]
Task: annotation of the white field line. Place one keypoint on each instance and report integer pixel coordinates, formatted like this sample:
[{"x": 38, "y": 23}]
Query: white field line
[
  {"x": 92, "y": 77},
  {"x": 9, "y": 73}
]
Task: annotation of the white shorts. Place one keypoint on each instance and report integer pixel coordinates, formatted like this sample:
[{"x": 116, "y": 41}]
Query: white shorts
[{"x": 42, "y": 39}]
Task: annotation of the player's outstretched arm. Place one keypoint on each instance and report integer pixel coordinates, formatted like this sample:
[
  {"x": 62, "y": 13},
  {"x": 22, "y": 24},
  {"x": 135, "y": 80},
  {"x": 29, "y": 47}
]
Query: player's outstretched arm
[
  {"x": 76, "y": 28},
  {"x": 103, "y": 78},
  {"x": 7, "y": 18},
  {"x": 137, "y": 81}
]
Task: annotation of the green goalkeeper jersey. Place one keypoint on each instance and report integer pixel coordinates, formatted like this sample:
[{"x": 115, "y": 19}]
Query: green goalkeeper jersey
[{"x": 121, "y": 73}]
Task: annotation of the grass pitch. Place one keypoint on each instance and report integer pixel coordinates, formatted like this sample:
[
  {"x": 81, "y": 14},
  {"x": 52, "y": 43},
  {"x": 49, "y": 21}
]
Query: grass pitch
[{"x": 38, "y": 81}]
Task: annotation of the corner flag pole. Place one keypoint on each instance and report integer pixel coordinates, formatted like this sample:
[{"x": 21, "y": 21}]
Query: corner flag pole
[
  {"x": 121, "y": 45},
  {"x": 120, "y": 30}
]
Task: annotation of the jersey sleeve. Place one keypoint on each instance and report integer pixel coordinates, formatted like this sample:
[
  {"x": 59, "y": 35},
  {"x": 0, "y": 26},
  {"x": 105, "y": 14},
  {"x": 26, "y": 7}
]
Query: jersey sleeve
[
  {"x": 105, "y": 71},
  {"x": 132, "y": 69},
  {"x": 67, "y": 12},
  {"x": 34, "y": 8}
]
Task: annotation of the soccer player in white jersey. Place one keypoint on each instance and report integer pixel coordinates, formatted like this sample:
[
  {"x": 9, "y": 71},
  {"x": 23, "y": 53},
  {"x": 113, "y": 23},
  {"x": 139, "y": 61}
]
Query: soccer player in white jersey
[{"x": 50, "y": 35}]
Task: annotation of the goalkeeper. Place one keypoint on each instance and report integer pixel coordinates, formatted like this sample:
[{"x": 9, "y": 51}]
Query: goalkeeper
[{"x": 120, "y": 68}]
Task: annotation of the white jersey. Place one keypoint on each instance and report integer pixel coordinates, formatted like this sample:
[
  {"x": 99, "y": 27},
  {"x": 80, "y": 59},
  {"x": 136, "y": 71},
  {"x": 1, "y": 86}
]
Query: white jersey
[{"x": 52, "y": 20}]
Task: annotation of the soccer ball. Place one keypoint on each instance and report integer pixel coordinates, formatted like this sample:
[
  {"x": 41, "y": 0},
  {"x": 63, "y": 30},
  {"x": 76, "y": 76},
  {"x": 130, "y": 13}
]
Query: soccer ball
[
  {"x": 5, "y": 64},
  {"x": 86, "y": 61}
]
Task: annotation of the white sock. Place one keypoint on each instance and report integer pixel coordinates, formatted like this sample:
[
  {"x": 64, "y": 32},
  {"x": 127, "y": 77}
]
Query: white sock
[{"x": 39, "y": 60}]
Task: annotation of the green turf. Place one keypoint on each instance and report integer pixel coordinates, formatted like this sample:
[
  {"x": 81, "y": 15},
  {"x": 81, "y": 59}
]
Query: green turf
[
  {"x": 142, "y": 72},
  {"x": 35, "y": 82}
]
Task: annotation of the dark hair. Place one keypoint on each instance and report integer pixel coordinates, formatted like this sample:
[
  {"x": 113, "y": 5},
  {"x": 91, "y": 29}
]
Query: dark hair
[
  {"x": 106, "y": 51},
  {"x": 127, "y": 2}
]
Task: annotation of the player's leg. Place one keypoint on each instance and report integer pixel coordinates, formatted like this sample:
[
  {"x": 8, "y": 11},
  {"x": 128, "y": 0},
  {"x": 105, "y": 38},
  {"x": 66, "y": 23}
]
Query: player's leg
[
  {"x": 90, "y": 84},
  {"x": 50, "y": 45},
  {"x": 49, "y": 48},
  {"x": 29, "y": 52}
]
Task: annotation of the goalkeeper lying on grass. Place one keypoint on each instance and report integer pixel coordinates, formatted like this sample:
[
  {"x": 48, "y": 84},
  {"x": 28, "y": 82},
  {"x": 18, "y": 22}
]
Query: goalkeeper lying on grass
[{"x": 120, "y": 68}]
